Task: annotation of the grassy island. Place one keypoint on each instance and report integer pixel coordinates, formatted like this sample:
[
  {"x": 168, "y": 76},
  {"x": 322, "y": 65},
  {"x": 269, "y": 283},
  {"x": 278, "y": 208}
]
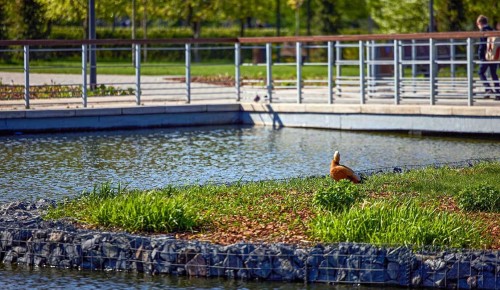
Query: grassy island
[{"x": 449, "y": 207}]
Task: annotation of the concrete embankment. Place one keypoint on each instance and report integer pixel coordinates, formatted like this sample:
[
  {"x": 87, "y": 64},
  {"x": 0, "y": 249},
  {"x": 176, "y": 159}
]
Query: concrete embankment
[
  {"x": 27, "y": 239},
  {"x": 405, "y": 118}
]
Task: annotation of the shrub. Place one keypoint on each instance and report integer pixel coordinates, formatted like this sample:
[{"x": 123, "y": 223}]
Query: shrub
[
  {"x": 482, "y": 197},
  {"x": 341, "y": 194}
]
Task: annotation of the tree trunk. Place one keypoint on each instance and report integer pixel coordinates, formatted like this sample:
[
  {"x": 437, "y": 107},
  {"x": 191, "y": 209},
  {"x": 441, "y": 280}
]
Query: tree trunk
[
  {"x": 242, "y": 27},
  {"x": 196, "y": 27}
]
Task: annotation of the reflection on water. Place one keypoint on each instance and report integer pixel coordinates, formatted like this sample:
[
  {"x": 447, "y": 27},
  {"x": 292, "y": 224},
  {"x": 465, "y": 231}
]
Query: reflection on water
[
  {"x": 35, "y": 166},
  {"x": 54, "y": 166},
  {"x": 22, "y": 277}
]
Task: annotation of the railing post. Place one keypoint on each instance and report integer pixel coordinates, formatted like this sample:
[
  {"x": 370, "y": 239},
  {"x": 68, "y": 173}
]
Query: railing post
[
  {"x": 470, "y": 72},
  {"x": 361, "y": 72},
  {"x": 269, "y": 72},
  {"x": 237, "y": 63},
  {"x": 413, "y": 58},
  {"x": 414, "y": 64},
  {"x": 84, "y": 75},
  {"x": 330, "y": 72},
  {"x": 400, "y": 59},
  {"x": 27, "y": 76},
  {"x": 338, "y": 68},
  {"x": 432, "y": 71},
  {"x": 369, "y": 67},
  {"x": 137, "y": 74},
  {"x": 452, "y": 58},
  {"x": 396, "y": 71},
  {"x": 188, "y": 72},
  {"x": 298, "y": 59}
]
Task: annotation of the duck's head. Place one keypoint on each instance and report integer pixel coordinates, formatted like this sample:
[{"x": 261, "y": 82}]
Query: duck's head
[{"x": 336, "y": 157}]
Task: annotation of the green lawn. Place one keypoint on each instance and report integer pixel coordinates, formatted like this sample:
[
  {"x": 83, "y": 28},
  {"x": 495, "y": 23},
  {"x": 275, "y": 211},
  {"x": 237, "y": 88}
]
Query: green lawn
[
  {"x": 309, "y": 72},
  {"x": 177, "y": 69}
]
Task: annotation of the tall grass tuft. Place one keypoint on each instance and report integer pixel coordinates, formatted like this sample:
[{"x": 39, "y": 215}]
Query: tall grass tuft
[
  {"x": 131, "y": 210},
  {"x": 390, "y": 222},
  {"x": 149, "y": 212}
]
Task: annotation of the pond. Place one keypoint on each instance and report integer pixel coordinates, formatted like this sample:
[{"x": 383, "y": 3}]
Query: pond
[
  {"x": 59, "y": 165},
  {"x": 22, "y": 277}
]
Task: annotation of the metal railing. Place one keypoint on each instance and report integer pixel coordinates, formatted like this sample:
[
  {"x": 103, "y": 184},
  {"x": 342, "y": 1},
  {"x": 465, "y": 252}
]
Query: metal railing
[{"x": 430, "y": 68}]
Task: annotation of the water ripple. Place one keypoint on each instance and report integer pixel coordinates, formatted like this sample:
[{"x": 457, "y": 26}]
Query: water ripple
[{"x": 54, "y": 166}]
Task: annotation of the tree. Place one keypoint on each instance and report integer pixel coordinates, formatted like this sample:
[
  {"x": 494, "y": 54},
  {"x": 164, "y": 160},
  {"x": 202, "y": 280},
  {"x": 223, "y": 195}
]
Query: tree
[
  {"x": 295, "y": 5},
  {"x": 328, "y": 17},
  {"x": 395, "y": 16},
  {"x": 194, "y": 12},
  {"x": 450, "y": 15},
  {"x": 76, "y": 11},
  {"x": 489, "y": 8},
  {"x": 3, "y": 18},
  {"x": 66, "y": 11},
  {"x": 245, "y": 11},
  {"x": 24, "y": 19}
]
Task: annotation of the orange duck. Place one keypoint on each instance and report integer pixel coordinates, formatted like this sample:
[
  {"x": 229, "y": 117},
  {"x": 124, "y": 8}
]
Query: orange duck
[{"x": 338, "y": 172}]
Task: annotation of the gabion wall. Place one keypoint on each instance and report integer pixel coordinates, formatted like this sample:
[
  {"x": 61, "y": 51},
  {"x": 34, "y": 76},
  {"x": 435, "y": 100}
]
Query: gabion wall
[{"x": 25, "y": 238}]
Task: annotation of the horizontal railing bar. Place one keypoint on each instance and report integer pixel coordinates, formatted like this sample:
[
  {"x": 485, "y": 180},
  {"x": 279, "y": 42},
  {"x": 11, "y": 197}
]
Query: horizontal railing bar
[{"x": 51, "y": 67}]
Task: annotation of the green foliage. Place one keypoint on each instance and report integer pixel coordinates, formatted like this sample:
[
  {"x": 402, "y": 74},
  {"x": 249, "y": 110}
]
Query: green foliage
[
  {"x": 25, "y": 19},
  {"x": 394, "y": 16},
  {"x": 482, "y": 197},
  {"x": 3, "y": 18},
  {"x": 111, "y": 206},
  {"x": 340, "y": 195},
  {"x": 430, "y": 181},
  {"x": 150, "y": 212},
  {"x": 196, "y": 16},
  {"x": 75, "y": 32},
  {"x": 54, "y": 91},
  {"x": 389, "y": 222}
]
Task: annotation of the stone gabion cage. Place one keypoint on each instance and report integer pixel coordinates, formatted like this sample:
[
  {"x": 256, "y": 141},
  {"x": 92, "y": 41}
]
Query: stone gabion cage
[{"x": 27, "y": 239}]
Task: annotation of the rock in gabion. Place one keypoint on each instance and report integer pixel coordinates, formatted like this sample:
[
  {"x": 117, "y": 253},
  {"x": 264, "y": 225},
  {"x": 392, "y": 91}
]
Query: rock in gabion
[{"x": 25, "y": 238}]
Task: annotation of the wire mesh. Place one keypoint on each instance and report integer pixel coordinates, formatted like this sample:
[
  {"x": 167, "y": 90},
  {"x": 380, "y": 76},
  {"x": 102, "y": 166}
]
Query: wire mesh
[{"x": 341, "y": 263}]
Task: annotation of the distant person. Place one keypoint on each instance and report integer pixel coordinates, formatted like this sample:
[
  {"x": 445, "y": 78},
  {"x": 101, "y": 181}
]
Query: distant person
[
  {"x": 482, "y": 24},
  {"x": 497, "y": 27}
]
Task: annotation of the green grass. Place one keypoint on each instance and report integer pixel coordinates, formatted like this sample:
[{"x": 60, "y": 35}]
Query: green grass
[
  {"x": 176, "y": 69},
  {"x": 133, "y": 210},
  {"x": 412, "y": 208},
  {"x": 432, "y": 182},
  {"x": 206, "y": 68},
  {"x": 407, "y": 223}
]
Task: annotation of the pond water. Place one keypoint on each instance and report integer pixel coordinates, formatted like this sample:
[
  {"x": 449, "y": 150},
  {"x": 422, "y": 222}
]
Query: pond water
[
  {"x": 22, "y": 277},
  {"x": 59, "y": 165}
]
